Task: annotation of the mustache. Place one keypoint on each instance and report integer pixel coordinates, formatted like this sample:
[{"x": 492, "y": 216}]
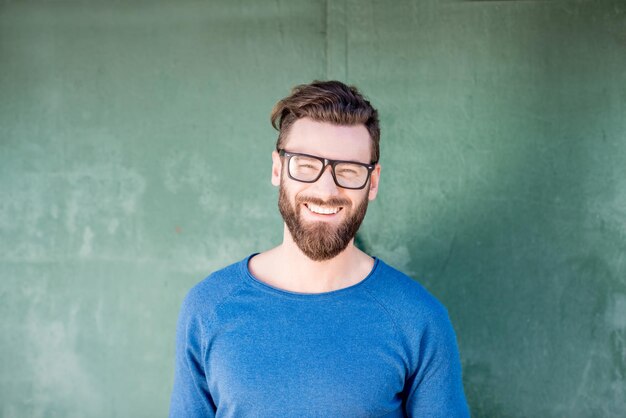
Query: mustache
[{"x": 335, "y": 201}]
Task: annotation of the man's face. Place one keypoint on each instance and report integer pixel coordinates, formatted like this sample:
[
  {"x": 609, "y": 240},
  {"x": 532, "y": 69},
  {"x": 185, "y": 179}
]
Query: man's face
[{"x": 322, "y": 217}]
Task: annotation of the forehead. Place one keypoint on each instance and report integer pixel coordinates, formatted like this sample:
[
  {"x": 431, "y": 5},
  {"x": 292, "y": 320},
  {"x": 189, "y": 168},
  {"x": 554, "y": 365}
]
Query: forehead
[{"x": 324, "y": 139}]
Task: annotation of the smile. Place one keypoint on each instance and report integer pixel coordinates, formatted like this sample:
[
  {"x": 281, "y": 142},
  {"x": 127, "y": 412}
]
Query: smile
[{"x": 322, "y": 210}]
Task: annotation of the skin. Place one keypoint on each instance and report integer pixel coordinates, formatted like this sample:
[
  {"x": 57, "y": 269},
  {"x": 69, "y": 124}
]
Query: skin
[{"x": 286, "y": 266}]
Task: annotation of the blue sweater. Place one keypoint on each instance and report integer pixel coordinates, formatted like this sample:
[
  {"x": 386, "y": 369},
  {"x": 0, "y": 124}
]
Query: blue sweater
[{"x": 383, "y": 347}]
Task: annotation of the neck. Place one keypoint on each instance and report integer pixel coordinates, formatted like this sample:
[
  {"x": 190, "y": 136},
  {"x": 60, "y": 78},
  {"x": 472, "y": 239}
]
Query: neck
[{"x": 309, "y": 276}]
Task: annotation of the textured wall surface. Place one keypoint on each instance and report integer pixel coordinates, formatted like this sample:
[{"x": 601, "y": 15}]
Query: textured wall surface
[{"x": 135, "y": 159}]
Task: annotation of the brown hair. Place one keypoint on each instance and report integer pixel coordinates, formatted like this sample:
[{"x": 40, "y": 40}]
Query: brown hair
[{"x": 326, "y": 101}]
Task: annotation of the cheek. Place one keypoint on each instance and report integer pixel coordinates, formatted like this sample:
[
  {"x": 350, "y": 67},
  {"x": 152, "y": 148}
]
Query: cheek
[
  {"x": 362, "y": 196},
  {"x": 289, "y": 192},
  {"x": 295, "y": 195}
]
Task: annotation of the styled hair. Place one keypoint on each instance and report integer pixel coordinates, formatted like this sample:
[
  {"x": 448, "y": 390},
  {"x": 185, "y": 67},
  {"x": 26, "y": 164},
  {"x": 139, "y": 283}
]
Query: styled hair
[{"x": 326, "y": 101}]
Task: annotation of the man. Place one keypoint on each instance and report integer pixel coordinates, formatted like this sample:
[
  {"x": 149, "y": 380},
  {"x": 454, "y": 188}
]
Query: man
[{"x": 315, "y": 327}]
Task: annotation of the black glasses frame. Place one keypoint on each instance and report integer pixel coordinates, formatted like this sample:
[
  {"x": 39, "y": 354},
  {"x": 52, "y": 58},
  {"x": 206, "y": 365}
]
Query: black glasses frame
[{"x": 326, "y": 161}]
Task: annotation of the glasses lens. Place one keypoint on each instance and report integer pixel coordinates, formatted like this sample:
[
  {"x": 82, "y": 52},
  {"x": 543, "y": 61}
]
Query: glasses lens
[
  {"x": 350, "y": 175},
  {"x": 304, "y": 168}
]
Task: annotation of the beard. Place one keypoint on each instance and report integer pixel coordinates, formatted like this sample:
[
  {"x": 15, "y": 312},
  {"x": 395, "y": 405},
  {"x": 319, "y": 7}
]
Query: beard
[{"x": 320, "y": 241}]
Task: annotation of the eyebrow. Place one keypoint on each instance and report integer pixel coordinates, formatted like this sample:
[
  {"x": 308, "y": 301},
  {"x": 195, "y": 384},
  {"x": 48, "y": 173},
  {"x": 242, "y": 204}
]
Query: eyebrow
[{"x": 330, "y": 159}]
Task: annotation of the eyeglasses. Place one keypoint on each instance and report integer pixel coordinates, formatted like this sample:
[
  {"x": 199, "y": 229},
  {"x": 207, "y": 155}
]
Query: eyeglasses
[{"x": 309, "y": 168}]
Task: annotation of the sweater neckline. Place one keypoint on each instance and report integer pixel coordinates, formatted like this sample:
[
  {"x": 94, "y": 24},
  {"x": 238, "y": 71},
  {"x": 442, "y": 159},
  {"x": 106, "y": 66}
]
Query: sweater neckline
[{"x": 249, "y": 278}]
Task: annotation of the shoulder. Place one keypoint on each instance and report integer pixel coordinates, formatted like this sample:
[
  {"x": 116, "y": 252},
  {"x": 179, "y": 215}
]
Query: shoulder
[
  {"x": 400, "y": 291},
  {"x": 421, "y": 320},
  {"x": 203, "y": 298},
  {"x": 406, "y": 300}
]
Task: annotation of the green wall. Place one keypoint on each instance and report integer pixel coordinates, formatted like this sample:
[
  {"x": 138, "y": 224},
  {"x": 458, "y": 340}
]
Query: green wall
[{"x": 135, "y": 159}]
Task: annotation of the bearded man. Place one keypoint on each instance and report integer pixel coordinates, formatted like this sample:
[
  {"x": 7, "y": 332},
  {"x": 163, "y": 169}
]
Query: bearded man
[{"x": 315, "y": 327}]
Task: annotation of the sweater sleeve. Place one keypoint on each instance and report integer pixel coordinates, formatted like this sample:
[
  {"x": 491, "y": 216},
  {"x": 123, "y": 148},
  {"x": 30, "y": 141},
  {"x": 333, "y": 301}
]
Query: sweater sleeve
[
  {"x": 435, "y": 389},
  {"x": 190, "y": 395}
]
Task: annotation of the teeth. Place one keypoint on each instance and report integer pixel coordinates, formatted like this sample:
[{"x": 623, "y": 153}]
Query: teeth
[{"x": 322, "y": 210}]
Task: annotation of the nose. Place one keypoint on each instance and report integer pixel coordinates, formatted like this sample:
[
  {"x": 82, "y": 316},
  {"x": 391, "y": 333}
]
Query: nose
[{"x": 325, "y": 186}]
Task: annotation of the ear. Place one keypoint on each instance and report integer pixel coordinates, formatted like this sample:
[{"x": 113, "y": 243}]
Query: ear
[
  {"x": 374, "y": 179},
  {"x": 277, "y": 168}
]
